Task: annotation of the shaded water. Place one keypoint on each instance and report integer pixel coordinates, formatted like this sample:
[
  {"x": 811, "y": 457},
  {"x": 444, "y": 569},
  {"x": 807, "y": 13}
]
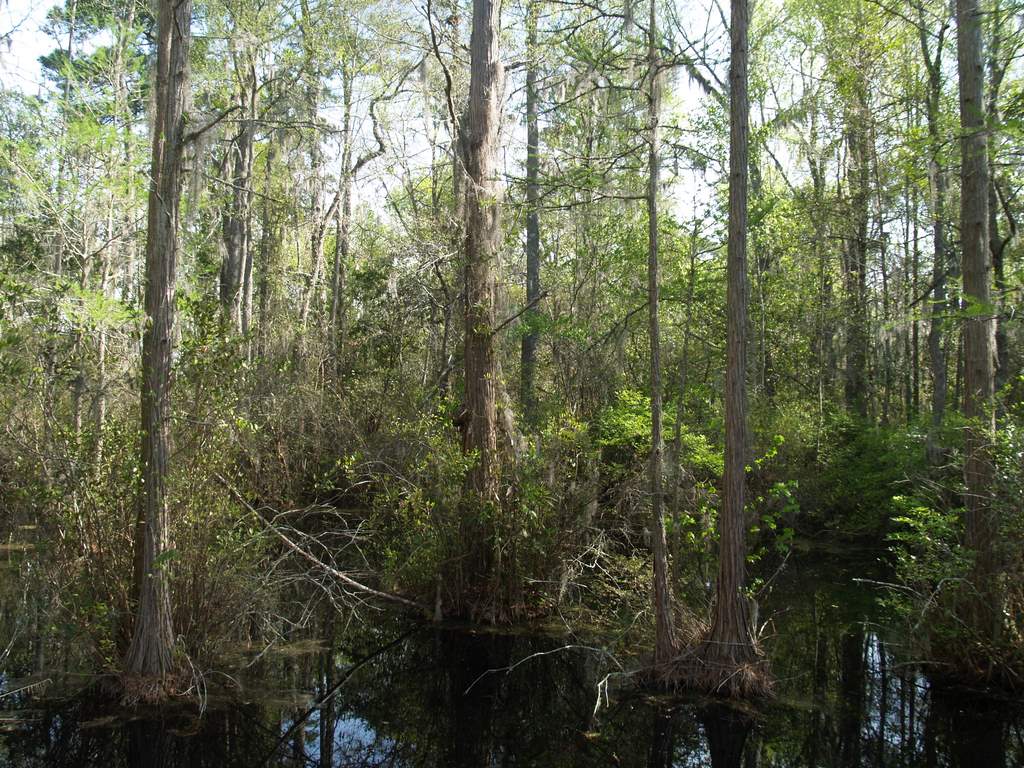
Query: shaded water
[{"x": 400, "y": 696}]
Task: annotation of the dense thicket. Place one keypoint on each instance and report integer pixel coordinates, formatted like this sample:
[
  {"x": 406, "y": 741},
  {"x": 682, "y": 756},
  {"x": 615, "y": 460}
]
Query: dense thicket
[{"x": 416, "y": 249}]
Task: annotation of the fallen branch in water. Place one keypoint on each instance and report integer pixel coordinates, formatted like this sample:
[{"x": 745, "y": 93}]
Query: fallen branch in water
[
  {"x": 349, "y": 672},
  {"x": 523, "y": 660},
  {"x": 26, "y": 687},
  {"x": 329, "y": 569}
]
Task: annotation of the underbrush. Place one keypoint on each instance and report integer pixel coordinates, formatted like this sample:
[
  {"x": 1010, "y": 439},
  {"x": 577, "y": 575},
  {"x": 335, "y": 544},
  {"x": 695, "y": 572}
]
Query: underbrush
[{"x": 936, "y": 588}]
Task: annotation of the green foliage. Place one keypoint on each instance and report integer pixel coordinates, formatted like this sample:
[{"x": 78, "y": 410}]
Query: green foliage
[
  {"x": 777, "y": 511},
  {"x": 926, "y": 538},
  {"x": 418, "y": 516},
  {"x": 935, "y": 570},
  {"x": 343, "y": 398},
  {"x": 623, "y": 432},
  {"x": 627, "y": 423},
  {"x": 861, "y": 468}
]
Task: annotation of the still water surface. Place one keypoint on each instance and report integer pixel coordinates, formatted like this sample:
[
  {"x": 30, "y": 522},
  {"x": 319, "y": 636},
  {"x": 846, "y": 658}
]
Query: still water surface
[{"x": 404, "y": 696}]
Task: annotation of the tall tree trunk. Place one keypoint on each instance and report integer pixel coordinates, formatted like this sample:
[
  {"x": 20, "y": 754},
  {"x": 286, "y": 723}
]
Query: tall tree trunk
[
  {"x": 64, "y": 151},
  {"x": 528, "y": 360},
  {"x": 664, "y": 633},
  {"x": 481, "y": 198},
  {"x": 245, "y": 309},
  {"x": 909, "y": 334},
  {"x": 763, "y": 263},
  {"x": 824, "y": 332},
  {"x": 482, "y": 193},
  {"x": 915, "y": 281},
  {"x": 236, "y": 218},
  {"x": 318, "y": 223},
  {"x": 100, "y": 406},
  {"x": 997, "y": 247},
  {"x": 268, "y": 247},
  {"x": 342, "y": 222},
  {"x": 730, "y": 644},
  {"x": 316, "y": 236},
  {"x": 978, "y": 327},
  {"x": 855, "y": 272},
  {"x": 997, "y": 65},
  {"x": 937, "y": 184},
  {"x": 677, "y": 434},
  {"x": 883, "y": 266},
  {"x": 150, "y": 651}
]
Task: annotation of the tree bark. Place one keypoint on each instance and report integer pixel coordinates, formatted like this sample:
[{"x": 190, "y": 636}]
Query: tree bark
[
  {"x": 249, "y": 127},
  {"x": 342, "y": 227},
  {"x": 677, "y": 434},
  {"x": 528, "y": 360},
  {"x": 149, "y": 654},
  {"x": 236, "y": 266},
  {"x": 269, "y": 236},
  {"x": 482, "y": 193},
  {"x": 937, "y": 184},
  {"x": 855, "y": 269},
  {"x": 664, "y": 632},
  {"x": 318, "y": 228},
  {"x": 730, "y": 643},
  {"x": 997, "y": 65},
  {"x": 978, "y": 330},
  {"x": 480, "y": 581}
]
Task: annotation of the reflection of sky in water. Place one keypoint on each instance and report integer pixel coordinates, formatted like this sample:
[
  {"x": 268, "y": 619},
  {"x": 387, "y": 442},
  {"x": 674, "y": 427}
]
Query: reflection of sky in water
[
  {"x": 355, "y": 742},
  {"x": 847, "y": 697}
]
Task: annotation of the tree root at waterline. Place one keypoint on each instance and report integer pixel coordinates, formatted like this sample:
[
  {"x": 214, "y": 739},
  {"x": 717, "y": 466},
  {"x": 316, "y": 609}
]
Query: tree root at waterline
[{"x": 720, "y": 670}]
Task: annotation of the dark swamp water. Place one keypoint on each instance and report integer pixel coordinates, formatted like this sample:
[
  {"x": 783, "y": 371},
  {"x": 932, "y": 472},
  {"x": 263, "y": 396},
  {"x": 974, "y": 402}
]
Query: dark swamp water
[{"x": 394, "y": 695}]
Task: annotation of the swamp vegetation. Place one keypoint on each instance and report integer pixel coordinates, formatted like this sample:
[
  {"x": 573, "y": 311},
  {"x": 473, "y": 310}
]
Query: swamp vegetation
[{"x": 542, "y": 382}]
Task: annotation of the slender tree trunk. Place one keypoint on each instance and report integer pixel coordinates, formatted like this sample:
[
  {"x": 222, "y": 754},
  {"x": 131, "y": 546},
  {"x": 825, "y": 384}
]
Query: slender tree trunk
[
  {"x": 343, "y": 224},
  {"x": 100, "y": 408},
  {"x": 856, "y": 383},
  {"x": 528, "y": 363},
  {"x": 763, "y": 262},
  {"x": 730, "y": 644},
  {"x": 268, "y": 247},
  {"x": 996, "y": 66},
  {"x": 978, "y": 326},
  {"x": 958, "y": 353},
  {"x": 235, "y": 223},
  {"x": 677, "y": 435},
  {"x": 122, "y": 245},
  {"x": 915, "y": 281},
  {"x": 937, "y": 184},
  {"x": 59, "y": 254},
  {"x": 824, "y": 331},
  {"x": 316, "y": 250},
  {"x": 80, "y": 386},
  {"x": 883, "y": 264},
  {"x": 909, "y": 333},
  {"x": 997, "y": 248},
  {"x": 152, "y": 640},
  {"x": 664, "y": 634},
  {"x": 318, "y": 224},
  {"x": 245, "y": 310}
]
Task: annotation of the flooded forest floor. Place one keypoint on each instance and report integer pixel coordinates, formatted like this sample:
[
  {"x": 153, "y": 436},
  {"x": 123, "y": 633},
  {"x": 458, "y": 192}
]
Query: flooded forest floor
[{"x": 377, "y": 690}]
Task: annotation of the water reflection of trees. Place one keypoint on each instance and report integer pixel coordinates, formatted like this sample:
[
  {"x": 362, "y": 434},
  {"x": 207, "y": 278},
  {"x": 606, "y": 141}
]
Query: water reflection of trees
[{"x": 444, "y": 698}]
